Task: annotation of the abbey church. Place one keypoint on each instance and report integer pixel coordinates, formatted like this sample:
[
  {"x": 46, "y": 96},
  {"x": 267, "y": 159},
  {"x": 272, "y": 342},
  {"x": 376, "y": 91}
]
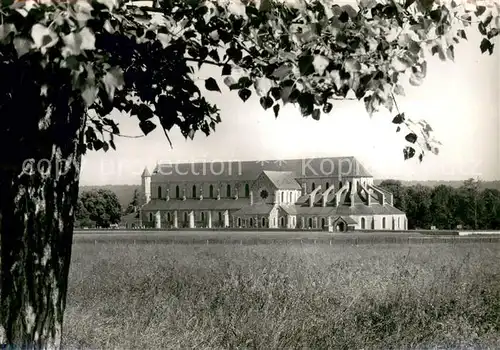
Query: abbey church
[{"x": 335, "y": 194}]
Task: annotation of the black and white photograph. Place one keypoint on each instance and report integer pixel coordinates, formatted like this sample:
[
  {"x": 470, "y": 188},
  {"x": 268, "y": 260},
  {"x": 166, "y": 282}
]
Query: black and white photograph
[{"x": 249, "y": 174}]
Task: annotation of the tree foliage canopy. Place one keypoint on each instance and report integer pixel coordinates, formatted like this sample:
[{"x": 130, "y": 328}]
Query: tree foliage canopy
[
  {"x": 100, "y": 207},
  {"x": 144, "y": 61}
]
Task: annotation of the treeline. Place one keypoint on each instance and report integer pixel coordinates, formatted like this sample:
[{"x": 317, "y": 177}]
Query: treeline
[{"x": 469, "y": 206}]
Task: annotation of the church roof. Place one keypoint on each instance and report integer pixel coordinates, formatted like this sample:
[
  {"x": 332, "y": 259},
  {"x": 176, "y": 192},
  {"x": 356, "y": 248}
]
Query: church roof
[
  {"x": 283, "y": 180},
  {"x": 256, "y": 209},
  {"x": 196, "y": 204},
  {"x": 328, "y": 167},
  {"x": 146, "y": 172}
]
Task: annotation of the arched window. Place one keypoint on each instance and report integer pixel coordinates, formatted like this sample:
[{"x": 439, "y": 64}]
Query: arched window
[
  {"x": 373, "y": 223},
  {"x": 363, "y": 223},
  {"x": 251, "y": 222},
  {"x": 263, "y": 222},
  {"x": 322, "y": 222},
  {"x": 202, "y": 216},
  {"x": 313, "y": 186},
  {"x": 310, "y": 222},
  {"x": 327, "y": 185},
  {"x": 159, "y": 191},
  {"x": 282, "y": 196},
  {"x": 282, "y": 221},
  {"x": 228, "y": 191},
  {"x": 177, "y": 194},
  {"x": 239, "y": 221},
  {"x": 399, "y": 222},
  {"x": 150, "y": 216},
  {"x": 383, "y": 222},
  {"x": 194, "y": 191},
  {"x": 247, "y": 190},
  {"x": 393, "y": 223}
]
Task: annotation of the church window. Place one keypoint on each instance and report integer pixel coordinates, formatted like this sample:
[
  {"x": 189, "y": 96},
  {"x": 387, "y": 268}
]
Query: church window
[
  {"x": 239, "y": 222},
  {"x": 159, "y": 191},
  {"x": 185, "y": 216},
  {"x": 322, "y": 222},
  {"x": 247, "y": 190},
  {"x": 194, "y": 191},
  {"x": 177, "y": 195},
  {"x": 211, "y": 191},
  {"x": 202, "y": 216},
  {"x": 383, "y": 222},
  {"x": 282, "y": 196},
  {"x": 228, "y": 190},
  {"x": 220, "y": 217},
  {"x": 150, "y": 216},
  {"x": 313, "y": 186},
  {"x": 263, "y": 222},
  {"x": 363, "y": 223},
  {"x": 327, "y": 185},
  {"x": 251, "y": 222},
  {"x": 168, "y": 216},
  {"x": 310, "y": 222}
]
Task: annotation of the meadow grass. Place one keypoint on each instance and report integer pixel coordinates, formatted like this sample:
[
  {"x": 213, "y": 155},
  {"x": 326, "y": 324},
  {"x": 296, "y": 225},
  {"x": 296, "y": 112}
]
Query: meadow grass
[{"x": 282, "y": 296}]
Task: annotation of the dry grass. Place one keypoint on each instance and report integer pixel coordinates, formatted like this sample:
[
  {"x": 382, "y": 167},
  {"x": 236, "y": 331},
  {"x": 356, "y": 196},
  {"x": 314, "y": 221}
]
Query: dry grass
[{"x": 154, "y": 296}]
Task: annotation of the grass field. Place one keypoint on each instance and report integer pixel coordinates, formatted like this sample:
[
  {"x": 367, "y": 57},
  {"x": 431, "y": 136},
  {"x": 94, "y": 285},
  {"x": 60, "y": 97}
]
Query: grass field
[{"x": 281, "y": 296}]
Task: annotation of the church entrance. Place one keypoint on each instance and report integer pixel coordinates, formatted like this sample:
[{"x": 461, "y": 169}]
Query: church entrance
[{"x": 340, "y": 226}]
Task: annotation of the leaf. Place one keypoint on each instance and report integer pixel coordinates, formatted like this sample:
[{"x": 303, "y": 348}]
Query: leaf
[
  {"x": 112, "y": 144},
  {"x": 399, "y": 90},
  {"x": 262, "y": 86},
  {"x": 275, "y": 93},
  {"x": 344, "y": 17},
  {"x": 276, "y": 110},
  {"x": 97, "y": 144},
  {"x": 316, "y": 114},
  {"x": 351, "y": 65},
  {"x": 398, "y": 119},
  {"x": 211, "y": 85},
  {"x": 416, "y": 79},
  {"x": 105, "y": 146},
  {"x": 480, "y": 10},
  {"x": 411, "y": 137},
  {"x": 320, "y": 63},
  {"x": 147, "y": 126},
  {"x": 486, "y": 45},
  {"x": 450, "y": 53},
  {"x": 22, "y": 46},
  {"x": 398, "y": 129},
  {"x": 327, "y": 107},
  {"x": 230, "y": 82},
  {"x": 89, "y": 94},
  {"x": 408, "y": 152},
  {"x": 306, "y": 65},
  {"x": 266, "y": 102},
  {"x": 244, "y": 94},
  {"x": 462, "y": 34},
  {"x": 265, "y": 5},
  {"x": 5, "y": 30},
  {"x": 226, "y": 69},
  {"x": 113, "y": 80},
  {"x": 213, "y": 54}
]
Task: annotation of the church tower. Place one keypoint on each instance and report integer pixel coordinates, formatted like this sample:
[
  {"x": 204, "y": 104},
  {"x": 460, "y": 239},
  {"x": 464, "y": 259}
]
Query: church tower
[{"x": 146, "y": 185}]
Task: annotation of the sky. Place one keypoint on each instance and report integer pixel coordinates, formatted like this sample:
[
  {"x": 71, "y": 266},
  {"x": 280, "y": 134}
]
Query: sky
[{"x": 458, "y": 99}]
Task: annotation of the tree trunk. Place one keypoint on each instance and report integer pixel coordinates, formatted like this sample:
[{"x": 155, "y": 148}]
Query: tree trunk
[{"x": 37, "y": 206}]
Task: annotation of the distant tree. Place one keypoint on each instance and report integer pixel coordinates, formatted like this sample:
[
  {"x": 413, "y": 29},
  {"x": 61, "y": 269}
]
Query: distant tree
[
  {"x": 490, "y": 218},
  {"x": 418, "y": 207},
  {"x": 469, "y": 206},
  {"x": 135, "y": 203},
  {"x": 398, "y": 191},
  {"x": 443, "y": 202},
  {"x": 102, "y": 207}
]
